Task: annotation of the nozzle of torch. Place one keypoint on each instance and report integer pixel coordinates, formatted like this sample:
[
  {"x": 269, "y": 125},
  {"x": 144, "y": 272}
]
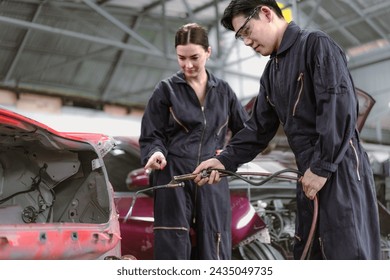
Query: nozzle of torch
[{"x": 175, "y": 185}]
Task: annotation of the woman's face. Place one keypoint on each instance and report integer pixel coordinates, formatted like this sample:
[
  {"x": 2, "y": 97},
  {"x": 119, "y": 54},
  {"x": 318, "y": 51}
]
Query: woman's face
[{"x": 192, "y": 59}]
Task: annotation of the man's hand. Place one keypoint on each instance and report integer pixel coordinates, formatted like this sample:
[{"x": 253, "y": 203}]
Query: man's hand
[
  {"x": 213, "y": 178},
  {"x": 156, "y": 161},
  {"x": 312, "y": 183}
]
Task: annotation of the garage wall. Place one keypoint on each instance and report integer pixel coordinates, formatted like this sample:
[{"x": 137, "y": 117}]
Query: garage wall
[{"x": 375, "y": 80}]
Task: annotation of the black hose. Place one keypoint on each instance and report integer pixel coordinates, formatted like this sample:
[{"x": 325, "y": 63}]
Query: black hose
[
  {"x": 169, "y": 185},
  {"x": 262, "y": 182}
]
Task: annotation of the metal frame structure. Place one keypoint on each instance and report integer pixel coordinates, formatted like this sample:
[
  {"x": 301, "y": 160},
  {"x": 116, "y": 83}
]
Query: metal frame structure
[{"x": 115, "y": 51}]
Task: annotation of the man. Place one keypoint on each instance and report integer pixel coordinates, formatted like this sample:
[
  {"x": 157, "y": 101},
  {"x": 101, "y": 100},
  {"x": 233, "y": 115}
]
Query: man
[{"x": 307, "y": 89}]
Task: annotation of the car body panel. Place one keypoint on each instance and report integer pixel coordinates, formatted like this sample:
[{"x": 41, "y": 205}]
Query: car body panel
[{"x": 56, "y": 201}]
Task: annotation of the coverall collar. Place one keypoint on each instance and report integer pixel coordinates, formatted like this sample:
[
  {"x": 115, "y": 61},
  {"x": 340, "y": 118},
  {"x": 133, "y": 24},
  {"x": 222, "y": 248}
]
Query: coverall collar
[
  {"x": 180, "y": 78},
  {"x": 289, "y": 38}
]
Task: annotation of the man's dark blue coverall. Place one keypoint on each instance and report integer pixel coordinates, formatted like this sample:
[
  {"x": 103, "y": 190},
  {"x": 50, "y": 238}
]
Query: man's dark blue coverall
[{"x": 307, "y": 89}]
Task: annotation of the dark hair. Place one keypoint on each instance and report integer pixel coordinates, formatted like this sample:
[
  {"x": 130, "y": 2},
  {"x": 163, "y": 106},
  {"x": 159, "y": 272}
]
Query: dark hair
[
  {"x": 192, "y": 33},
  {"x": 246, "y": 7}
]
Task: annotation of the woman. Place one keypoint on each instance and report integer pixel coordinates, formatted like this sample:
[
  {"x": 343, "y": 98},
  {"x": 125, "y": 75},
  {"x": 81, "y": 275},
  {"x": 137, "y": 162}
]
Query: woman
[{"x": 185, "y": 122}]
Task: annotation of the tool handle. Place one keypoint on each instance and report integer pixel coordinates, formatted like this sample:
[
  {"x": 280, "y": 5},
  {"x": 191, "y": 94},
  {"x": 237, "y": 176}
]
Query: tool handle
[{"x": 185, "y": 177}]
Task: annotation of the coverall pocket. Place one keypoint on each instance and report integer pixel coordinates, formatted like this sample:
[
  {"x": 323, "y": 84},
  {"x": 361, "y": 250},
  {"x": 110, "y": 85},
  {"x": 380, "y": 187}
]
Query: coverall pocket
[{"x": 176, "y": 120}]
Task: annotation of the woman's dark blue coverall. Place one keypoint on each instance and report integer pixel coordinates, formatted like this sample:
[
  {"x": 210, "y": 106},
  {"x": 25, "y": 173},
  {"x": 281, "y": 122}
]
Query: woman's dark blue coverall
[
  {"x": 307, "y": 88},
  {"x": 187, "y": 133}
]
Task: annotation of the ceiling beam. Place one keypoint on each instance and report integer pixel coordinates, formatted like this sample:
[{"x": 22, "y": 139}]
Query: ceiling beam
[
  {"x": 21, "y": 47},
  {"x": 331, "y": 19},
  {"x": 122, "y": 26},
  {"x": 369, "y": 21},
  {"x": 78, "y": 35}
]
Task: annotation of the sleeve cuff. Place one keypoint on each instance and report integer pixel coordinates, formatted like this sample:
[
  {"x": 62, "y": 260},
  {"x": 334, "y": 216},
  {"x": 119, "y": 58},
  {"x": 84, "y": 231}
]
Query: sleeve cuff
[
  {"x": 323, "y": 169},
  {"x": 226, "y": 163}
]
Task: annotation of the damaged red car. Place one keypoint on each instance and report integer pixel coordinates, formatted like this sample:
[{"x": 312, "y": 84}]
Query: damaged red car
[{"x": 56, "y": 201}]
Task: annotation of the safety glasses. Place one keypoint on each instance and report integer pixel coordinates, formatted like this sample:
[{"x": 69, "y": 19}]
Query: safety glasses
[{"x": 242, "y": 32}]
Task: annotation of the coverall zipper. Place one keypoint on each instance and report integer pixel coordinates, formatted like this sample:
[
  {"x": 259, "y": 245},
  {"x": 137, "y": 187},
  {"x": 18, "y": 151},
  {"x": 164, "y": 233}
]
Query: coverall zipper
[
  {"x": 276, "y": 63},
  {"x": 322, "y": 248},
  {"x": 218, "y": 244},
  {"x": 300, "y": 78},
  {"x": 199, "y": 153},
  {"x": 201, "y": 138},
  {"x": 357, "y": 159},
  {"x": 269, "y": 101},
  {"x": 172, "y": 228},
  {"x": 273, "y": 105},
  {"x": 225, "y": 124}
]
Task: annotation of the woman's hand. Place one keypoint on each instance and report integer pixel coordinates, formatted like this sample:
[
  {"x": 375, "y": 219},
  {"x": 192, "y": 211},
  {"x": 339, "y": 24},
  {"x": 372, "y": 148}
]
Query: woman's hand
[{"x": 156, "y": 161}]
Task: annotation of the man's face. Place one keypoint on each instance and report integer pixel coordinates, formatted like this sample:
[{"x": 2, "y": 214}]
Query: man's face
[{"x": 256, "y": 33}]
